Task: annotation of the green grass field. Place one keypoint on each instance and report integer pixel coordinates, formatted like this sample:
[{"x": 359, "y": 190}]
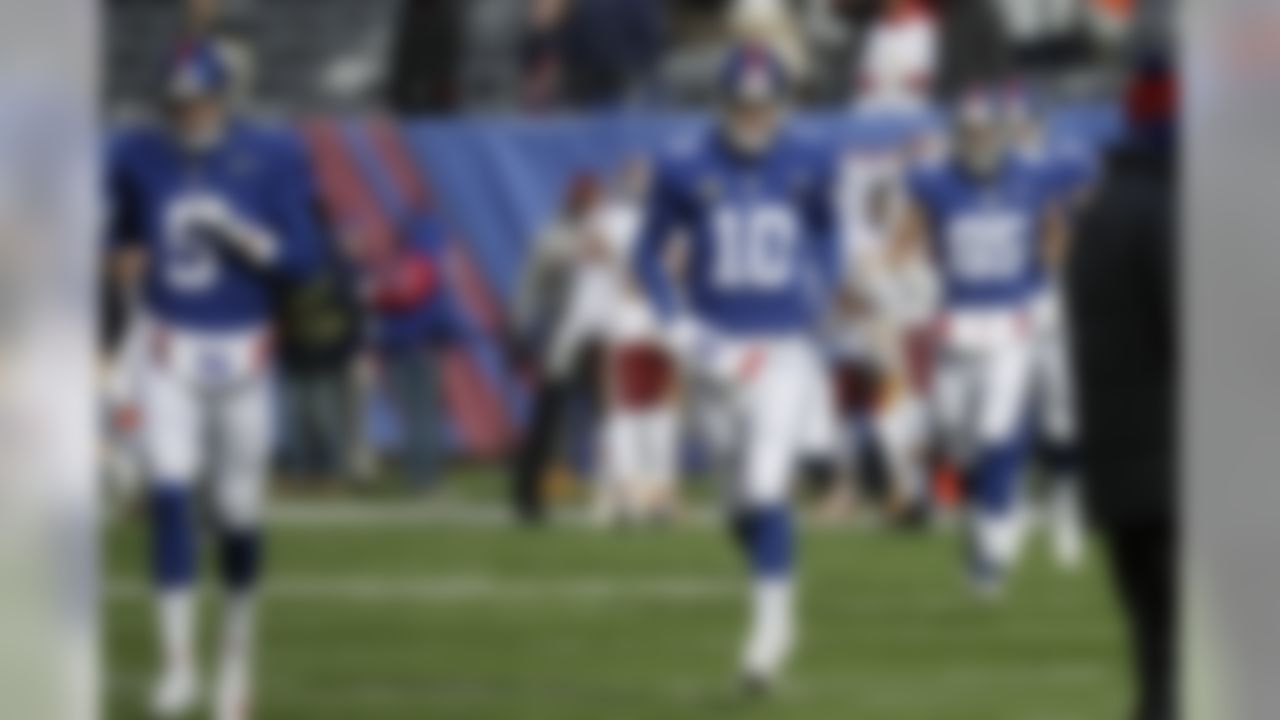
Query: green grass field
[{"x": 385, "y": 608}]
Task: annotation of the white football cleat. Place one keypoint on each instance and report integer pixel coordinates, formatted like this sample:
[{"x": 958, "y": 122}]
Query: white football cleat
[
  {"x": 766, "y": 655},
  {"x": 176, "y": 694}
]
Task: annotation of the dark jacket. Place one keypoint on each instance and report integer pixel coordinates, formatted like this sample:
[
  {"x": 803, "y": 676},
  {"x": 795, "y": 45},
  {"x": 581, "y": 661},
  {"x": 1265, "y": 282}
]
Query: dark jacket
[
  {"x": 1122, "y": 300},
  {"x": 319, "y": 320}
]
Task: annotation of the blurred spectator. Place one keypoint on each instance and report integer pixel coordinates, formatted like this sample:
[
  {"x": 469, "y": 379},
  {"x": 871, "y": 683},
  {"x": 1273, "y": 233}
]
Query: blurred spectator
[
  {"x": 542, "y": 54},
  {"x": 613, "y": 48},
  {"x": 589, "y": 53},
  {"x": 1122, "y": 302},
  {"x": 427, "y": 56},
  {"x": 640, "y": 423},
  {"x": 1113, "y": 20},
  {"x": 319, "y": 335},
  {"x": 1048, "y": 34},
  {"x": 772, "y": 23},
  {"x": 202, "y": 15},
  {"x": 829, "y": 28},
  {"x": 899, "y": 59},
  {"x": 403, "y": 285},
  {"x": 975, "y": 45},
  {"x": 563, "y": 308}
]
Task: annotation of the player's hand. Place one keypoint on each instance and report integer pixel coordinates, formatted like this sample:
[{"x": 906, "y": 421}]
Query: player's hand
[
  {"x": 702, "y": 348},
  {"x": 217, "y": 219}
]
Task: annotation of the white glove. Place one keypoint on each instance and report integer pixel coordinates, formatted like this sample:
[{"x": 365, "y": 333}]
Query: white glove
[
  {"x": 707, "y": 351},
  {"x": 211, "y": 213}
]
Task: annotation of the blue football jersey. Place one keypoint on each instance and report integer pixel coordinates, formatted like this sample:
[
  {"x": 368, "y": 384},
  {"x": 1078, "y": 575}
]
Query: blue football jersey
[
  {"x": 191, "y": 280},
  {"x": 986, "y": 235},
  {"x": 762, "y": 247}
]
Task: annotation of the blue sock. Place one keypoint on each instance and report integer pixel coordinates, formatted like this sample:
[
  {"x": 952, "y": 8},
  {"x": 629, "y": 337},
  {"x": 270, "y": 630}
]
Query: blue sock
[
  {"x": 241, "y": 556},
  {"x": 767, "y": 540},
  {"x": 173, "y": 536},
  {"x": 993, "y": 477}
]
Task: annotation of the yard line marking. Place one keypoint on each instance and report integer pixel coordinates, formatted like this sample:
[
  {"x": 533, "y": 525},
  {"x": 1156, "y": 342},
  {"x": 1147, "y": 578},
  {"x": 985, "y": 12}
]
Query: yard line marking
[
  {"x": 485, "y": 515},
  {"x": 480, "y": 587},
  {"x": 461, "y": 588},
  {"x": 437, "y": 512},
  {"x": 874, "y": 689}
]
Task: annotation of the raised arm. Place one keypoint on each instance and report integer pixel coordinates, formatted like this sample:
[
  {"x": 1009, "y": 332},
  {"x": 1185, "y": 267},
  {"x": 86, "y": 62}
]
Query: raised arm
[
  {"x": 663, "y": 217},
  {"x": 125, "y": 253}
]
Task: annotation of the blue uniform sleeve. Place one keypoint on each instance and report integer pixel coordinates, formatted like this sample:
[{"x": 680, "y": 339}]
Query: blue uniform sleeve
[
  {"x": 295, "y": 215},
  {"x": 664, "y": 214}
]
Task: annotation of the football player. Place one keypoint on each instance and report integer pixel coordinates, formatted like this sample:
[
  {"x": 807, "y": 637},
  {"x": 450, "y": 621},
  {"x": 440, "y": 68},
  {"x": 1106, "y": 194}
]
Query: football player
[
  {"x": 221, "y": 209},
  {"x": 992, "y": 225},
  {"x": 752, "y": 198}
]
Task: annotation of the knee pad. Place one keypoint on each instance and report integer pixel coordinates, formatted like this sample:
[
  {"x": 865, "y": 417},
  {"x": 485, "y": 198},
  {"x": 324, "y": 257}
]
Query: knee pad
[
  {"x": 993, "y": 477},
  {"x": 767, "y": 538},
  {"x": 241, "y": 556}
]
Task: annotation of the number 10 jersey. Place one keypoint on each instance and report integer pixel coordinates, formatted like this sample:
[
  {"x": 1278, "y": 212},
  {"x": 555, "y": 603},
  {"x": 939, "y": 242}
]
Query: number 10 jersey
[{"x": 762, "y": 247}]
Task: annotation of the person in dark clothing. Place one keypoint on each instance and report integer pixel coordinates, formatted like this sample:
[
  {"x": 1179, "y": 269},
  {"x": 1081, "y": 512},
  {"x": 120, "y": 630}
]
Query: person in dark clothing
[
  {"x": 975, "y": 45},
  {"x": 542, "y": 55},
  {"x": 590, "y": 53},
  {"x": 1121, "y": 291},
  {"x": 426, "y": 56},
  {"x": 612, "y": 48},
  {"x": 319, "y": 334},
  {"x": 556, "y": 318}
]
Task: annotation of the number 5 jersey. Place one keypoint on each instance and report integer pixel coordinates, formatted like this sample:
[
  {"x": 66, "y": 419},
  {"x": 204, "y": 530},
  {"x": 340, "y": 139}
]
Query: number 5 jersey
[{"x": 193, "y": 280}]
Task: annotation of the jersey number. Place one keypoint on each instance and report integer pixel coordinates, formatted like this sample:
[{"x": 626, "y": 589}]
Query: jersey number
[
  {"x": 988, "y": 247},
  {"x": 190, "y": 262},
  {"x": 754, "y": 247}
]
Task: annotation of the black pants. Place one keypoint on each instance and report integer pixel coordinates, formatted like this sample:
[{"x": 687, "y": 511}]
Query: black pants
[
  {"x": 1144, "y": 566},
  {"x": 537, "y": 449},
  {"x": 542, "y": 434}
]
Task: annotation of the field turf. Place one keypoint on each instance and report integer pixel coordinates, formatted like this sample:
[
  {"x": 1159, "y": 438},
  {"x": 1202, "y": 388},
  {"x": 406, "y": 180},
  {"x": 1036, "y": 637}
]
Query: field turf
[{"x": 388, "y": 608}]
